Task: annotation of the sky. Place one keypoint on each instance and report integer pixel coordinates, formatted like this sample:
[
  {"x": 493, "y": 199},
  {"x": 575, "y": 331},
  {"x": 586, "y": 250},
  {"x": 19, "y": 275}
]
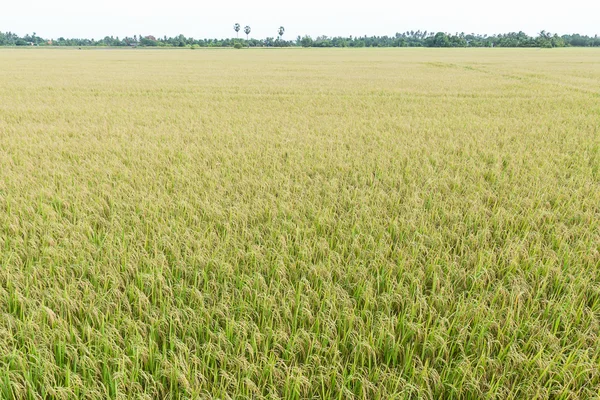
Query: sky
[{"x": 215, "y": 19}]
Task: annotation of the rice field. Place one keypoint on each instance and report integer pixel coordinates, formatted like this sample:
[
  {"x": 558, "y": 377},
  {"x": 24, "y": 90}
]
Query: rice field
[{"x": 300, "y": 224}]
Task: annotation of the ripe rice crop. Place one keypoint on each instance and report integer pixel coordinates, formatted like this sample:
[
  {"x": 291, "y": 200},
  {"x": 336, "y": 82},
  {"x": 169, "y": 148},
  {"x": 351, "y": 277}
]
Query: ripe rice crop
[{"x": 303, "y": 223}]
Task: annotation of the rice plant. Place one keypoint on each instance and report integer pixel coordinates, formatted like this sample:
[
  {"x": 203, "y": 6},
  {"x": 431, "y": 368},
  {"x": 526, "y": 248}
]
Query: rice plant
[{"x": 293, "y": 224}]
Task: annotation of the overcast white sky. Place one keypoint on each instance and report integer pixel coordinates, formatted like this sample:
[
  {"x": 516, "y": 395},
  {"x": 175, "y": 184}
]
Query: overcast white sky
[{"x": 214, "y": 19}]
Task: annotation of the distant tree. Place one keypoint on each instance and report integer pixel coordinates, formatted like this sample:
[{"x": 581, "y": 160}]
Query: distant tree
[
  {"x": 306, "y": 41},
  {"x": 148, "y": 41},
  {"x": 236, "y": 28},
  {"x": 440, "y": 40},
  {"x": 557, "y": 41},
  {"x": 544, "y": 39},
  {"x": 281, "y": 31},
  {"x": 247, "y": 31}
]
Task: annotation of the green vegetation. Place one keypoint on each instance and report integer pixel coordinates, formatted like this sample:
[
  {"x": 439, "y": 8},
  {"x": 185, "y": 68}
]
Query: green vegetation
[
  {"x": 405, "y": 39},
  {"x": 368, "y": 224}
]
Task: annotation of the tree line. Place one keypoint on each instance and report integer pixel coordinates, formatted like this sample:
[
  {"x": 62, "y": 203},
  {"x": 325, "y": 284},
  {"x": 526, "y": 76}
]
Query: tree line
[{"x": 405, "y": 39}]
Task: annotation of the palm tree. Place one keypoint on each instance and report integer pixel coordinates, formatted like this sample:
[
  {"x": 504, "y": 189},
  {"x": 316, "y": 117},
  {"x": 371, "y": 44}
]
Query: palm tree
[
  {"x": 236, "y": 28},
  {"x": 281, "y": 31},
  {"x": 247, "y": 31}
]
